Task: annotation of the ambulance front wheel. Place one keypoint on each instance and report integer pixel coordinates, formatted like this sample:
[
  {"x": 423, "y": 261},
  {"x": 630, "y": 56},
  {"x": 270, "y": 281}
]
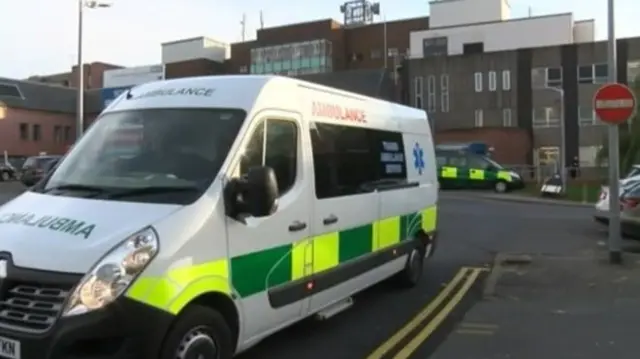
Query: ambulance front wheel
[
  {"x": 199, "y": 333},
  {"x": 500, "y": 187}
]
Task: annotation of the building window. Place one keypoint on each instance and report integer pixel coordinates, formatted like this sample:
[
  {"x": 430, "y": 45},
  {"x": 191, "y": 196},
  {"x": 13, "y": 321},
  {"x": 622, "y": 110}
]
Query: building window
[
  {"x": 437, "y": 46},
  {"x": 444, "y": 93},
  {"x": 593, "y": 74},
  {"x": 36, "y": 133},
  {"x": 417, "y": 90},
  {"x": 477, "y": 77},
  {"x": 57, "y": 134},
  {"x": 633, "y": 72},
  {"x": 554, "y": 77},
  {"x": 431, "y": 94},
  {"x": 478, "y": 118},
  {"x": 67, "y": 134},
  {"x": 546, "y": 77},
  {"x": 506, "y": 117},
  {"x": 295, "y": 58},
  {"x": 492, "y": 81},
  {"x": 24, "y": 131},
  {"x": 546, "y": 117},
  {"x": 586, "y": 116},
  {"x": 376, "y": 54},
  {"x": 244, "y": 69},
  {"x": 506, "y": 80},
  {"x": 473, "y": 48},
  {"x": 588, "y": 155},
  {"x": 393, "y": 52}
]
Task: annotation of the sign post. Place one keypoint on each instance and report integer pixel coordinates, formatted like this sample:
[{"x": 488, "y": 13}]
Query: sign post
[{"x": 614, "y": 104}]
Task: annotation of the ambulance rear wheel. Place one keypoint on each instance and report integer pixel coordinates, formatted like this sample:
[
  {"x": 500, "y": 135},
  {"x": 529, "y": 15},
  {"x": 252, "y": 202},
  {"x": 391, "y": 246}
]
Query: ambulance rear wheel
[
  {"x": 410, "y": 276},
  {"x": 500, "y": 187},
  {"x": 199, "y": 333}
]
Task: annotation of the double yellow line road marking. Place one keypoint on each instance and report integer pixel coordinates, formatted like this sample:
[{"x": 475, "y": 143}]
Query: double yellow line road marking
[{"x": 418, "y": 330}]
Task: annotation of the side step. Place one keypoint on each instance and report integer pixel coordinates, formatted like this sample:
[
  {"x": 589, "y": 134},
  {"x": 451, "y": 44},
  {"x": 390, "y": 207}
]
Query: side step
[{"x": 334, "y": 309}]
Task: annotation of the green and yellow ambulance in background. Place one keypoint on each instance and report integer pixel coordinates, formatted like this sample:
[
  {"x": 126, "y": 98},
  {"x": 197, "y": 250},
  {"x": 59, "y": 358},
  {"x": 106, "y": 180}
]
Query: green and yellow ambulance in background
[{"x": 469, "y": 166}]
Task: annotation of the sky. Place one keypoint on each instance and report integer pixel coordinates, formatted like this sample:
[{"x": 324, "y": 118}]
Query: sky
[{"x": 39, "y": 37}]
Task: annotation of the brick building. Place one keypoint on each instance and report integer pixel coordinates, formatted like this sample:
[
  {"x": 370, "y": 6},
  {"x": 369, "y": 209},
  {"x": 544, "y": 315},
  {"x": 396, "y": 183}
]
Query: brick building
[{"x": 35, "y": 118}]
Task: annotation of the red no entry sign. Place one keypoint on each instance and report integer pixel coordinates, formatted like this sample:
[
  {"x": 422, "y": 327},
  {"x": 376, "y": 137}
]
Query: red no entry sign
[{"x": 614, "y": 103}]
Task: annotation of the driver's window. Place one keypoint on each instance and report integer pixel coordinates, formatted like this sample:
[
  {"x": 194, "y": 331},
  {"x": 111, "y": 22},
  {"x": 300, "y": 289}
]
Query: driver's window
[
  {"x": 274, "y": 143},
  {"x": 478, "y": 163}
]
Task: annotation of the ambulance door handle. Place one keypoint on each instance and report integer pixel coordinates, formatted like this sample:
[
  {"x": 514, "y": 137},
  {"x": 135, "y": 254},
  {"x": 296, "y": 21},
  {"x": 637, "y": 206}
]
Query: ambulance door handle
[
  {"x": 297, "y": 226},
  {"x": 330, "y": 220}
]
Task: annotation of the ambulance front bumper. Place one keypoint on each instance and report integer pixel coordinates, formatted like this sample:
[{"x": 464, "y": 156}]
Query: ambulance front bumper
[
  {"x": 126, "y": 329},
  {"x": 516, "y": 184}
]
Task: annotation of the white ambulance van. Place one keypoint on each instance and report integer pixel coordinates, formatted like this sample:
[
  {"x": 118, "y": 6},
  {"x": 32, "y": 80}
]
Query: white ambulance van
[{"x": 235, "y": 206}]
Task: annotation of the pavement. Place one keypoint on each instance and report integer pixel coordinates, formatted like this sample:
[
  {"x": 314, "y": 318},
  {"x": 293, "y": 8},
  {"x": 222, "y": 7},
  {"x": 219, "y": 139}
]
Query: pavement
[
  {"x": 510, "y": 279},
  {"x": 558, "y": 300}
]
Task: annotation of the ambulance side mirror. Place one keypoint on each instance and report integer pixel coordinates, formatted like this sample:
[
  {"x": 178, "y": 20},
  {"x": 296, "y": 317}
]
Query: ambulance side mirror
[
  {"x": 261, "y": 191},
  {"x": 255, "y": 194}
]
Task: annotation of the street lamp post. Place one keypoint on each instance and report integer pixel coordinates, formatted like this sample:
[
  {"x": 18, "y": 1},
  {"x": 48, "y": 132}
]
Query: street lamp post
[
  {"x": 615, "y": 251},
  {"x": 80, "y": 65}
]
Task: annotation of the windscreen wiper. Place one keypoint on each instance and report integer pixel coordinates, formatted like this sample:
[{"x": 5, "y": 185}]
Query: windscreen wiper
[
  {"x": 74, "y": 187},
  {"x": 150, "y": 190}
]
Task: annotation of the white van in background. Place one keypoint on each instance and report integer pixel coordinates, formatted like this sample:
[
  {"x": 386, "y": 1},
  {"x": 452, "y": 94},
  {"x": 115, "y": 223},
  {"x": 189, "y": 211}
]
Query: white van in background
[{"x": 240, "y": 205}]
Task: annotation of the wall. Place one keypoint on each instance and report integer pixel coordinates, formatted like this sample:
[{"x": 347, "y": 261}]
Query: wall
[
  {"x": 463, "y": 12},
  {"x": 10, "y": 132},
  {"x": 507, "y": 35},
  {"x": 511, "y": 145},
  {"x": 463, "y": 97},
  {"x": 368, "y": 42},
  {"x": 197, "y": 67},
  {"x": 352, "y": 48},
  {"x": 93, "y": 75},
  {"x": 133, "y": 76},
  {"x": 195, "y": 48},
  {"x": 584, "y": 31}
]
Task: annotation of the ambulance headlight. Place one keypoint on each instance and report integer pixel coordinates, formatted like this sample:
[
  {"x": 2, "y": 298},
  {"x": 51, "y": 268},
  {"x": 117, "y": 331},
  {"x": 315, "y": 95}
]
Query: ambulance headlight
[
  {"x": 515, "y": 175},
  {"x": 113, "y": 274}
]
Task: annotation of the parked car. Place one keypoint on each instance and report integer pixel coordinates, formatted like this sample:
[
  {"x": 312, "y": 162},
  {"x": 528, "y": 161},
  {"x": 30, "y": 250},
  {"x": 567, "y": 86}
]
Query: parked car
[
  {"x": 7, "y": 172},
  {"x": 36, "y": 167},
  {"x": 629, "y": 201}
]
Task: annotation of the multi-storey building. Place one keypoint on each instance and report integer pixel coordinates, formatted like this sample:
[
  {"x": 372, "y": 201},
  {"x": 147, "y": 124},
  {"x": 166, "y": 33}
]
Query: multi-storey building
[{"x": 476, "y": 68}]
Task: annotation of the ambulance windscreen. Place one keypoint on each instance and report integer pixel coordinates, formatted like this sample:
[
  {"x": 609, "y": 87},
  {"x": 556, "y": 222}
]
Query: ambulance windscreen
[{"x": 156, "y": 149}]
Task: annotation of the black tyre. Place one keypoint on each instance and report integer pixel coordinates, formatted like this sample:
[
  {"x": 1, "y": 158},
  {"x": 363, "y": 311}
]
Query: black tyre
[
  {"x": 199, "y": 333},
  {"x": 500, "y": 187},
  {"x": 410, "y": 276},
  {"x": 5, "y": 176}
]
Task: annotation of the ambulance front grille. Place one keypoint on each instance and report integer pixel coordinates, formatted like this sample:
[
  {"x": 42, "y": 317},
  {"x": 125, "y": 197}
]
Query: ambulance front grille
[{"x": 31, "y": 308}]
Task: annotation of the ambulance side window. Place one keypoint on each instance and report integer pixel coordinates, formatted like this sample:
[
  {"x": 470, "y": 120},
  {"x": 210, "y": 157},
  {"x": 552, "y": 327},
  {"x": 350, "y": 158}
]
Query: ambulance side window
[
  {"x": 274, "y": 143},
  {"x": 348, "y": 159},
  {"x": 457, "y": 160},
  {"x": 477, "y": 162}
]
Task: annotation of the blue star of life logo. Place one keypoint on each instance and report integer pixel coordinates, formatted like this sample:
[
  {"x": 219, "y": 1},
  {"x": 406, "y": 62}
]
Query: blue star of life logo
[{"x": 418, "y": 158}]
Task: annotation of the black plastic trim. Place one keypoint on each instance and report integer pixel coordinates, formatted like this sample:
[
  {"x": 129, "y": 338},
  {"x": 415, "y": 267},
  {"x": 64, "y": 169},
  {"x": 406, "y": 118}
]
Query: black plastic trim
[{"x": 294, "y": 291}]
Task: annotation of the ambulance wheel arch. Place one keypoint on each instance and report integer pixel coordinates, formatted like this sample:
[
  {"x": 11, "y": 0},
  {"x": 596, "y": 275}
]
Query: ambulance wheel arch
[
  {"x": 182, "y": 289},
  {"x": 210, "y": 316}
]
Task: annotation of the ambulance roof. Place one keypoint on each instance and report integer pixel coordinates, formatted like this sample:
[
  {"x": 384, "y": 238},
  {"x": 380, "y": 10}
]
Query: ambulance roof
[{"x": 256, "y": 92}]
